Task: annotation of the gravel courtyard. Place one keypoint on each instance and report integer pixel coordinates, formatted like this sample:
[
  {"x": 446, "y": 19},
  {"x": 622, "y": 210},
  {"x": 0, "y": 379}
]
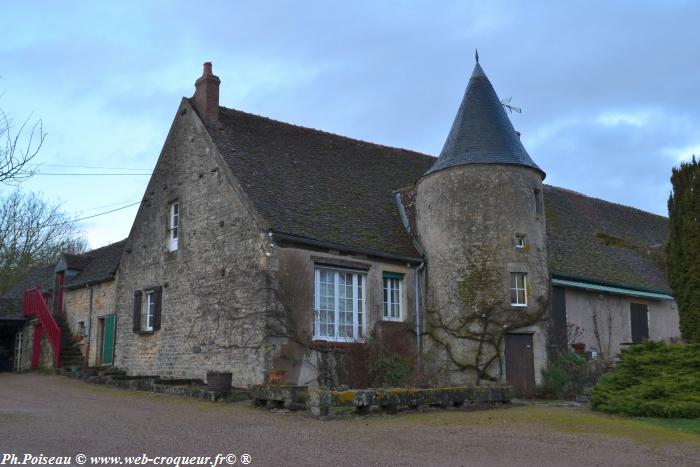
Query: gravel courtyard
[{"x": 54, "y": 415}]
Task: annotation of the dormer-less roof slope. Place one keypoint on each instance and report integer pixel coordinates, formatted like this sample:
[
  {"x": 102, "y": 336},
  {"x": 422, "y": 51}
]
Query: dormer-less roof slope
[
  {"x": 97, "y": 265},
  {"x": 317, "y": 185},
  {"x": 330, "y": 188},
  {"x": 76, "y": 262},
  {"x": 595, "y": 240},
  {"x": 42, "y": 276},
  {"x": 482, "y": 132},
  {"x": 11, "y": 301}
]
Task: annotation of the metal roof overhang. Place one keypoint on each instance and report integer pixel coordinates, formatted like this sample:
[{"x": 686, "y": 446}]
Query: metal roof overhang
[{"x": 611, "y": 289}]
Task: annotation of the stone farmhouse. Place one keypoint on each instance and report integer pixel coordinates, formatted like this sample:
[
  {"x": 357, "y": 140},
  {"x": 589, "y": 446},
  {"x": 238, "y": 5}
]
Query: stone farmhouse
[
  {"x": 263, "y": 246},
  {"x": 74, "y": 296}
]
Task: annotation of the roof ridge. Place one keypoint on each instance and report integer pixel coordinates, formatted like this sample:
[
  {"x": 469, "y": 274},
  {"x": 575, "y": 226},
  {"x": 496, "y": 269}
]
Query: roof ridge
[
  {"x": 604, "y": 201},
  {"x": 90, "y": 252},
  {"x": 337, "y": 135}
]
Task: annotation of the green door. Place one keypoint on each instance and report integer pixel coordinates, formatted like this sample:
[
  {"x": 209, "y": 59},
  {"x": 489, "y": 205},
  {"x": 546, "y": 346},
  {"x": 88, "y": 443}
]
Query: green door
[{"x": 108, "y": 341}]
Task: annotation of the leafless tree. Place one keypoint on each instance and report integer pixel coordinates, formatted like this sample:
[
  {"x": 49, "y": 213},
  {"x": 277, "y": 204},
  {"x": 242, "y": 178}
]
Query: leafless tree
[
  {"x": 18, "y": 147},
  {"x": 33, "y": 232}
]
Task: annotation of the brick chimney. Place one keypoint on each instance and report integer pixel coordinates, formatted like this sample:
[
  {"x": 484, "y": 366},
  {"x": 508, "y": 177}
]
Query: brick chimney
[{"x": 206, "y": 95}]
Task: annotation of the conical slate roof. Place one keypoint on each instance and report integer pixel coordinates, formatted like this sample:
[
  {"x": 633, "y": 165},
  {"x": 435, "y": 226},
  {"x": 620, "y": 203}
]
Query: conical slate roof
[{"x": 482, "y": 132}]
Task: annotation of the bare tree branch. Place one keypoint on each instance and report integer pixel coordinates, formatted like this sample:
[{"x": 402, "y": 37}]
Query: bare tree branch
[
  {"x": 18, "y": 148},
  {"x": 32, "y": 233}
]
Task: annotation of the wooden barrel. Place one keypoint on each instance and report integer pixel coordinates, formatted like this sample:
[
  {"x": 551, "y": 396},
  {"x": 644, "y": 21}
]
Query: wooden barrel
[{"x": 219, "y": 380}]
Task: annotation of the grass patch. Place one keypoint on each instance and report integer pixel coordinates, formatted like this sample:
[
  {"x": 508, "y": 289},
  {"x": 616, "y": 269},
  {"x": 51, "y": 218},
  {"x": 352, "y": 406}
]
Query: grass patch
[
  {"x": 578, "y": 421},
  {"x": 682, "y": 424},
  {"x": 654, "y": 379}
]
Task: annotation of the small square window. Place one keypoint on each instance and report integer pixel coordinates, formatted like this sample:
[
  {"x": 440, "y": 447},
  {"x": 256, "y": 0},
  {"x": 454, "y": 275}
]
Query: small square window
[{"x": 519, "y": 241}]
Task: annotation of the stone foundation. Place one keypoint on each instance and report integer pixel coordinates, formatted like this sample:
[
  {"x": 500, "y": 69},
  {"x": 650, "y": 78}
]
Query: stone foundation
[{"x": 324, "y": 401}]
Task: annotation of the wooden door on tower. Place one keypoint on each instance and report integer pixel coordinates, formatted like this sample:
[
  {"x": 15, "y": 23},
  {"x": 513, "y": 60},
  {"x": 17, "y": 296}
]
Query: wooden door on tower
[{"x": 520, "y": 364}]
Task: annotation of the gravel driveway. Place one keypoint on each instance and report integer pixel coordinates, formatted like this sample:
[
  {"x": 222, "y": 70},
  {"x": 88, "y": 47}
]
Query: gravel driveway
[{"x": 57, "y": 416}]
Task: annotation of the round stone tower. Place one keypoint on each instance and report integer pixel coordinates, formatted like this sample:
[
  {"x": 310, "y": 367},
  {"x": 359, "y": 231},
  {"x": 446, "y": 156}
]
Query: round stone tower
[{"x": 480, "y": 222}]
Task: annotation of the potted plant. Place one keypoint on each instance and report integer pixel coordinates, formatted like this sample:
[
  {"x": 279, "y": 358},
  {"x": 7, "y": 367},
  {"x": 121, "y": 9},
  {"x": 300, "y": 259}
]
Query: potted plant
[{"x": 276, "y": 377}]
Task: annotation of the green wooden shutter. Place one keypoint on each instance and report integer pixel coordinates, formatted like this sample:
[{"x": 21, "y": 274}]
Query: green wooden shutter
[{"x": 108, "y": 341}]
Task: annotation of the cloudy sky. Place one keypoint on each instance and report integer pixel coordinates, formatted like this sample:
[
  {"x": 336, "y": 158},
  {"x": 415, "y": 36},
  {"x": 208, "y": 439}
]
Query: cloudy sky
[{"x": 609, "y": 90}]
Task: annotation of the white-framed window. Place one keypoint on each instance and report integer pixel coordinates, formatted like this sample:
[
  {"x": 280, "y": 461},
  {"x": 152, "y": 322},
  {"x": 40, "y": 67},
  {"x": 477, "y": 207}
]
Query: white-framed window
[
  {"x": 519, "y": 241},
  {"x": 393, "y": 296},
  {"x": 173, "y": 225},
  {"x": 339, "y": 304},
  {"x": 82, "y": 329},
  {"x": 149, "y": 310},
  {"x": 518, "y": 289}
]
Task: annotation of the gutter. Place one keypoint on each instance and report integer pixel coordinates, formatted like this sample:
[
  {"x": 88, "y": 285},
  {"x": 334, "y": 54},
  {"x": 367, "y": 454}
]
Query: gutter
[
  {"x": 610, "y": 288},
  {"x": 89, "y": 324},
  {"x": 419, "y": 318},
  {"x": 347, "y": 249}
]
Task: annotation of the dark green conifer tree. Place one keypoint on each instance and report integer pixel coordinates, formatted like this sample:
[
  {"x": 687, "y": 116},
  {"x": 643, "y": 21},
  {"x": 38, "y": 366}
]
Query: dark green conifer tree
[{"x": 683, "y": 249}]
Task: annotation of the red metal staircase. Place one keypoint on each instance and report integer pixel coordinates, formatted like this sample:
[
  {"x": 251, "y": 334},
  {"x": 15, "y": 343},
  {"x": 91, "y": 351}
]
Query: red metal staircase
[{"x": 35, "y": 305}]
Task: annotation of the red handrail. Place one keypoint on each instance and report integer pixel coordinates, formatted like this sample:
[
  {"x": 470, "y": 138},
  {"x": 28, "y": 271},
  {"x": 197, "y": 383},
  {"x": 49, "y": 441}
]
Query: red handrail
[{"x": 35, "y": 305}]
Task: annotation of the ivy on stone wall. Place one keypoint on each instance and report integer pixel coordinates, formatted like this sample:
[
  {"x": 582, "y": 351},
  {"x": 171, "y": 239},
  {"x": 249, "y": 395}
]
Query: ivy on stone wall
[{"x": 471, "y": 326}]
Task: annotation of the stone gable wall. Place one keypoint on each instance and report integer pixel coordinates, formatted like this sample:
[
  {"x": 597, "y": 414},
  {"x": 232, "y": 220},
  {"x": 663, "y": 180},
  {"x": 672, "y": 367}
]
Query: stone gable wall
[{"x": 215, "y": 287}]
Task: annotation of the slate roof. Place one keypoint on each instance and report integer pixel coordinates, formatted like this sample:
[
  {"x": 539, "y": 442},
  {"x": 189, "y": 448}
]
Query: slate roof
[
  {"x": 97, "y": 265},
  {"x": 42, "y": 276},
  {"x": 482, "y": 132},
  {"x": 321, "y": 186},
  {"x": 592, "y": 239},
  {"x": 78, "y": 262},
  {"x": 10, "y": 309}
]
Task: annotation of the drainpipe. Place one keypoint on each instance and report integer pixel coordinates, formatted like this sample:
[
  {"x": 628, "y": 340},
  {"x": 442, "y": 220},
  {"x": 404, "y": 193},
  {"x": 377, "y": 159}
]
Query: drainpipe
[
  {"x": 89, "y": 325},
  {"x": 419, "y": 327}
]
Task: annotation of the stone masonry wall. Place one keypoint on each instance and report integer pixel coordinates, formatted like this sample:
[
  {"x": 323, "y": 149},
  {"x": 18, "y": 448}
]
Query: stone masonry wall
[
  {"x": 215, "y": 292},
  {"x": 467, "y": 219},
  {"x": 296, "y": 289},
  {"x": 77, "y": 307}
]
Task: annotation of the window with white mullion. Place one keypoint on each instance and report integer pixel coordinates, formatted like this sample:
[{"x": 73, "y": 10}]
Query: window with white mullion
[
  {"x": 317, "y": 303},
  {"x": 362, "y": 315},
  {"x": 356, "y": 314},
  {"x": 518, "y": 289},
  {"x": 339, "y": 305},
  {"x": 393, "y": 294},
  {"x": 174, "y": 226}
]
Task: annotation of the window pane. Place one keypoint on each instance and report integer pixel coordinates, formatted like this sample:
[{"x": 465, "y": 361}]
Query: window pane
[{"x": 347, "y": 307}]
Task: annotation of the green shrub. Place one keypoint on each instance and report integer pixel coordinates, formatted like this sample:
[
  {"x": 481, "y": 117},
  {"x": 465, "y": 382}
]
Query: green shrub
[
  {"x": 553, "y": 381},
  {"x": 653, "y": 379},
  {"x": 390, "y": 370},
  {"x": 564, "y": 376}
]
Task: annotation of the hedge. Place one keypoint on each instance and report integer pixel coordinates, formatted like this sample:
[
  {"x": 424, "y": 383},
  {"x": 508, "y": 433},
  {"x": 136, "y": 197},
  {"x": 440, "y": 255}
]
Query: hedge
[{"x": 653, "y": 379}]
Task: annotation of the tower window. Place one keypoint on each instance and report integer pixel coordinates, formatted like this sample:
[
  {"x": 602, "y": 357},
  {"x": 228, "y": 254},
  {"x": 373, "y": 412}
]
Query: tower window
[
  {"x": 518, "y": 289},
  {"x": 519, "y": 241},
  {"x": 537, "y": 194}
]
